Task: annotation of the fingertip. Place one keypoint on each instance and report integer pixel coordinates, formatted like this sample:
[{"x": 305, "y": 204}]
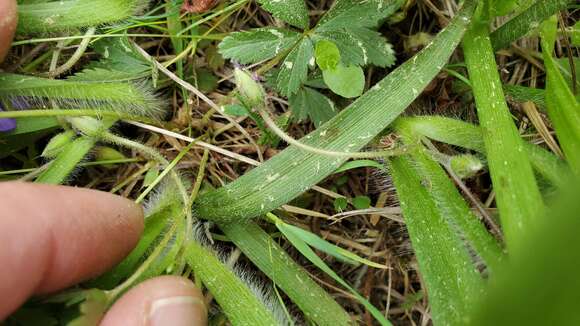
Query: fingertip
[
  {"x": 8, "y": 22},
  {"x": 164, "y": 300}
]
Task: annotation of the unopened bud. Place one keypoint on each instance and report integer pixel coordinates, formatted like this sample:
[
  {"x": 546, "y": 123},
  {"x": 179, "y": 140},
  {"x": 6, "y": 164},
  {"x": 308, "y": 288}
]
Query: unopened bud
[
  {"x": 57, "y": 144},
  {"x": 250, "y": 90}
]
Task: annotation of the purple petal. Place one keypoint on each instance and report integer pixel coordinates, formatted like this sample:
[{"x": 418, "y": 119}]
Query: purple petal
[{"x": 7, "y": 124}]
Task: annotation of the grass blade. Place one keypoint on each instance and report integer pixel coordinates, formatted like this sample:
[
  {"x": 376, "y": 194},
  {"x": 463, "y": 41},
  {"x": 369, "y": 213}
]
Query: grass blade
[
  {"x": 65, "y": 15},
  {"x": 447, "y": 269},
  {"x": 517, "y": 195},
  {"x": 563, "y": 109},
  {"x": 525, "y": 22},
  {"x": 293, "y": 171},
  {"x": 238, "y": 302},
  {"x": 271, "y": 259}
]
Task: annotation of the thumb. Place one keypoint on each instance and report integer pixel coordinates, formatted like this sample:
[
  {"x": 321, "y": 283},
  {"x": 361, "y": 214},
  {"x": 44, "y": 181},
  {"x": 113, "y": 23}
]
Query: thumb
[
  {"x": 164, "y": 300},
  {"x": 8, "y": 20}
]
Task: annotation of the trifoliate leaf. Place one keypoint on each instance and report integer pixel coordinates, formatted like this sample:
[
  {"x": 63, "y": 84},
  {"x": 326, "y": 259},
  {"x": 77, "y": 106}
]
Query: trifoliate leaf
[
  {"x": 346, "y": 81},
  {"x": 327, "y": 54},
  {"x": 357, "y": 13},
  {"x": 352, "y": 51},
  {"x": 294, "y": 69},
  {"x": 294, "y": 12},
  {"x": 257, "y": 45},
  {"x": 310, "y": 103},
  {"x": 377, "y": 49}
]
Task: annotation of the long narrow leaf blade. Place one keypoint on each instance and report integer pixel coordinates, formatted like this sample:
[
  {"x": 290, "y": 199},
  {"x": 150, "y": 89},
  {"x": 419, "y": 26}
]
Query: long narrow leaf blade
[{"x": 294, "y": 171}]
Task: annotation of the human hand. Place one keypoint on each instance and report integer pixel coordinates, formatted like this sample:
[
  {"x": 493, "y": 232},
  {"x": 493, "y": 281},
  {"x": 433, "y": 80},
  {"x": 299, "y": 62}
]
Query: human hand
[
  {"x": 8, "y": 21},
  {"x": 55, "y": 236}
]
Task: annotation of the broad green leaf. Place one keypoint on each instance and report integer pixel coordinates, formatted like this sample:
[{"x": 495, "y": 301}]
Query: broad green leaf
[
  {"x": 327, "y": 55},
  {"x": 237, "y": 110},
  {"x": 357, "y": 13},
  {"x": 575, "y": 34},
  {"x": 32, "y": 124},
  {"x": 446, "y": 267},
  {"x": 518, "y": 197},
  {"x": 294, "y": 69},
  {"x": 563, "y": 108},
  {"x": 323, "y": 245},
  {"x": 265, "y": 252},
  {"x": 311, "y": 103},
  {"x": 294, "y": 12},
  {"x": 257, "y": 45},
  {"x": 305, "y": 250},
  {"x": 293, "y": 171},
  {"x": 346, "y": 81}
]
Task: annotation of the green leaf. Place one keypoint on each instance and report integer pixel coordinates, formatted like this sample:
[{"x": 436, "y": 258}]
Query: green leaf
[
  {"x": 92, "y": 309},
  {"x": 294, "y": 12},
  {"x": 352, "y": 50},
  {"x": 361, "y": 202},
  {"x": 359, "y": 164},
  {"x": 525, "y": 22},
  {"x": 305, "y": 250},
  {"x": 376, "y": 49},
  {"x": 346, "y": 81},
  {"x": 294, "y": 70},
  {"x": 327, "y": 54},
  {"x": 503, "y": 7},
  {"x": 318, "y": 306},
  {"x": 236, "y": 110},
  {"x": 517, "y": 194},
  {"x": 563, "y": 108},
  {"x": 60, "y": 16},
  {"x": 575, "y": 34},
  {"x": 357, "y": 13},
  {"x": 322, "y": 245},
  {"x": 340, "y": 204},
  {"x": 257, "y": 45},
  {"x": 293, "y": 171},
  {"x": 445, "y": 264},
  {"x": 311, "y": 103},
  {"x": 32, "y": 124}
]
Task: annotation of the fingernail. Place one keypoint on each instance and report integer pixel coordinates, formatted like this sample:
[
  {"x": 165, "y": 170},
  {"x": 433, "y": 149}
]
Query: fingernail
[{"x": 178, "y": 311}]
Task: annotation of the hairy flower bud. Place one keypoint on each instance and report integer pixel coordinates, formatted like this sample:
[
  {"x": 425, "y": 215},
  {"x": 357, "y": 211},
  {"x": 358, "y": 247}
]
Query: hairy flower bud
[
  {"x": 250, "y": 90},
  {"x": 466, "y": 165}
]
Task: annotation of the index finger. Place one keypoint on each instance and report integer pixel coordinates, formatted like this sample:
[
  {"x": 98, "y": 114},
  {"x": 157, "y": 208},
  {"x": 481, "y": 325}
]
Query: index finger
[
  {"x": 56, "y": 236},
  {"x": 8, "y": 21}
]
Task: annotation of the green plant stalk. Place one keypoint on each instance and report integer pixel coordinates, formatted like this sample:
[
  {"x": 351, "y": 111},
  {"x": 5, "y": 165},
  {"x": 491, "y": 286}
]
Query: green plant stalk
[
  {"x": 450, "y": 276},
  {"x": 517, "y": 195},
  {"x": 293, "y": 171},
  {"x": 316, "y": 304},
  {"x": 97, "y": 113},
  {"x": 466, "y": 135},
  {"x": 563, "y": 109},
  {"x": 527, "y": 21},
  {"x": 234, "y": 297},
  {"x": 65, "y": 15},
  {"x": 450, "y": 204}
]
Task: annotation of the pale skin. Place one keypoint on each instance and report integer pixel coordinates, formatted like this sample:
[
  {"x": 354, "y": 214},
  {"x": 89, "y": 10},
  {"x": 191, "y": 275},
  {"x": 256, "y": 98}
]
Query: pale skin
[{"x": 53, "y": 237}]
